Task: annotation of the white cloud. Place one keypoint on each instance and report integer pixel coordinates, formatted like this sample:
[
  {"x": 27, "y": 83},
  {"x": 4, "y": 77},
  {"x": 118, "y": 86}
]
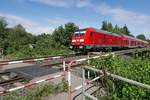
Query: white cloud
[
  {"x": 137, "y": 22},
  {"x": 61, "y": 21},
  {"x": 57, "y": 21},
  {"x": 34, "y": 27},
  {"x": 64, "y": 3},
  {"x": 83, "y": 3},
  {"x": 30, "y": 26},
  {"x": 38, "y": 28}
]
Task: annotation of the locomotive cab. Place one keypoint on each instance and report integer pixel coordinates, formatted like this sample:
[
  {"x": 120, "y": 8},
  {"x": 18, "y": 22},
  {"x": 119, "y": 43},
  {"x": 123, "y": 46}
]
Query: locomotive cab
[{"x": 78, "y": 40}]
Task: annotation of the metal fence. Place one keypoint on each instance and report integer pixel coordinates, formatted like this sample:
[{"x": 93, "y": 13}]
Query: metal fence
[{"x": 103, "y": 74}]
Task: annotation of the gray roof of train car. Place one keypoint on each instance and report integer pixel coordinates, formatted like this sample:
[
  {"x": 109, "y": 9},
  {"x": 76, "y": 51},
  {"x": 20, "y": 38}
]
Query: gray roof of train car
[{"x": 106, "y": 32}]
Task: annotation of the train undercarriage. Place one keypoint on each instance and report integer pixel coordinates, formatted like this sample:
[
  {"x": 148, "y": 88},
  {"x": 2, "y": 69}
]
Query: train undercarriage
[{"x": 82, "y": 49}]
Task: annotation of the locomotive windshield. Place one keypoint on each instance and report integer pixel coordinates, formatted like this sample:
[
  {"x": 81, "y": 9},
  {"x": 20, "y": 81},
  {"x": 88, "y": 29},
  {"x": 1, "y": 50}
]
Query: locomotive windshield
[{"x": 79, "y": 33}]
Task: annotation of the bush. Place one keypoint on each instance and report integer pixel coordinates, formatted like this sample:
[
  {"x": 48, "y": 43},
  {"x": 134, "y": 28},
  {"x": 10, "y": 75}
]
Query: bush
[{"x": 135, "y": 69}]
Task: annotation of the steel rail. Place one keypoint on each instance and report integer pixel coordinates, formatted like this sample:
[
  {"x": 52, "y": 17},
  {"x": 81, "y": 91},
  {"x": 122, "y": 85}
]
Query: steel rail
[{"x": 17, "y": 79}]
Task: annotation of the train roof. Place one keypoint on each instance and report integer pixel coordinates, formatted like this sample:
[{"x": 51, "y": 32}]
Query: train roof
[
  {"x": 106, "y": 32},
  {"x": 136, "y": 39},
  {"x": 102, "y": 31}
]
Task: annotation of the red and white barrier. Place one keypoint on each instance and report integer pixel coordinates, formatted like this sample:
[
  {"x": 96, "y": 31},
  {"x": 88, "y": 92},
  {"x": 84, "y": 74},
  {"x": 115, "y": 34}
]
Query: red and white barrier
[
  {"x": 37, "y": 82},
  {"x": 29, "y": 60},
  {"x": 30, "y": 84}
]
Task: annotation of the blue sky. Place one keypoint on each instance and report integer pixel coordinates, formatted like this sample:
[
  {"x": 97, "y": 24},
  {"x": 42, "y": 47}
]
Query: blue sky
[{"x": 39, "y": 16}]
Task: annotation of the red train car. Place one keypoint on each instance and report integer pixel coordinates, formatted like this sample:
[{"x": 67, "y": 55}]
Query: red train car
[{"x": 93, "y": 39}]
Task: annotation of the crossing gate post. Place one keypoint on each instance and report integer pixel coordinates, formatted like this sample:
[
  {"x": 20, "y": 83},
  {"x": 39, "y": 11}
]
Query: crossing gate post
[
  {"x": 64, "y": 69},
  {"x": 69, "y": 79}
]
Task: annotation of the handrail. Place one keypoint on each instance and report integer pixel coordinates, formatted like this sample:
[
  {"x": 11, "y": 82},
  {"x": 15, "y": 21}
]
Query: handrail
[{"x": 146, "y": 86}]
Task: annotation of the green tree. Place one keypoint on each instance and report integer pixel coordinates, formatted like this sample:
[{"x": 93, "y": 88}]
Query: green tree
[
  {"x": 116, "y": 29},
  {"x": 141, "y": 36},
  {"x": 3, "y": 32},
  {"x": 19, "y": 28},
  {"x": 125, "y": 30},
  {"x": 104, "y": 25},
  {"x": 58, "y": 36},
  {"x": 69, "y": 30},
  {"x": 148, "y": 41},
  {"x": 17, "y": 39},
  {"x": 62, "y": 35},
  {"x": 3, "y": 25},
  {"x": 109, "y": 27},
  {"x": 43, "y": 44}
]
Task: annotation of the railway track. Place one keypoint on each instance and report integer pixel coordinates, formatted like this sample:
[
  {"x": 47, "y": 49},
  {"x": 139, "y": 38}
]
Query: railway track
[
  {"x": 48, "y": 58},
  {"x": 131, "y": 51},
  {"x": 123, "y": 52},
  {"x": 9, "y": 79}
]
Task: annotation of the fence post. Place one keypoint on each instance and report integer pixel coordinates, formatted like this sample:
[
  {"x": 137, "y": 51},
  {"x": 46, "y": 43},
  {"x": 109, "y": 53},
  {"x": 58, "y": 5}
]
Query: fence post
[
  {"x": 88, "y": 74},
  {"x": 69, "y": 80},
  {"x": 83, "y": 83},
  {"x": 88, "y": 64},
  {"x": 64, "y": 69},
  {"x": 88, "y": 58}
]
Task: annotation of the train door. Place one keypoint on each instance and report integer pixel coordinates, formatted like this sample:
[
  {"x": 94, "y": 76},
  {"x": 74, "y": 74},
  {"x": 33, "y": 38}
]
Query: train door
[
  {"x": 92, "y": 38},
  {"x": 129, "y": 43},
  {"x": 104, "y": 40}
]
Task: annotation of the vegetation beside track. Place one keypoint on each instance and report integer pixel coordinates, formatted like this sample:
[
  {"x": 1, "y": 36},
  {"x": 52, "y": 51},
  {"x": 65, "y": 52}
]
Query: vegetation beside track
[
  {"x": 16, "y": 42},
  {"x": 40, "y": 53},
  {"x": 136, "y": 69},
  {"x": 38, "y": 92}
]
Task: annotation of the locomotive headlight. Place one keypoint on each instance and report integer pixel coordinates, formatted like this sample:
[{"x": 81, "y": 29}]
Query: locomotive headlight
[
  {"x": 81, "y": 40},
  {"x": 73, "y": 40},
  {"x": 80, "y": 47}
]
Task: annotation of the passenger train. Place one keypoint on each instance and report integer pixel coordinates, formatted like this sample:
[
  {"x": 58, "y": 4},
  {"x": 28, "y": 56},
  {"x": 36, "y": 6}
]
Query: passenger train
[{"x": 91, "y": 39}]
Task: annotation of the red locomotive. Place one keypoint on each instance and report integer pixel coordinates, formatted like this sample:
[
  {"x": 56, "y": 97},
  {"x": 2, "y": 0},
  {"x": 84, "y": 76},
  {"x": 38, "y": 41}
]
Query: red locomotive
[{"x": 93, "y": 39}]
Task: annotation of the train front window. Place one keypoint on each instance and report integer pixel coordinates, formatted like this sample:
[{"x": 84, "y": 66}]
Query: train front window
[{"x": 79, "y": 33}]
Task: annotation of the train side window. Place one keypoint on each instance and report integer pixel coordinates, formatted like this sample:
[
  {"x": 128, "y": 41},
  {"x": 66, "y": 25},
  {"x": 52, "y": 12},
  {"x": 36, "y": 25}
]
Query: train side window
[{"x": 91, "y": 34}]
